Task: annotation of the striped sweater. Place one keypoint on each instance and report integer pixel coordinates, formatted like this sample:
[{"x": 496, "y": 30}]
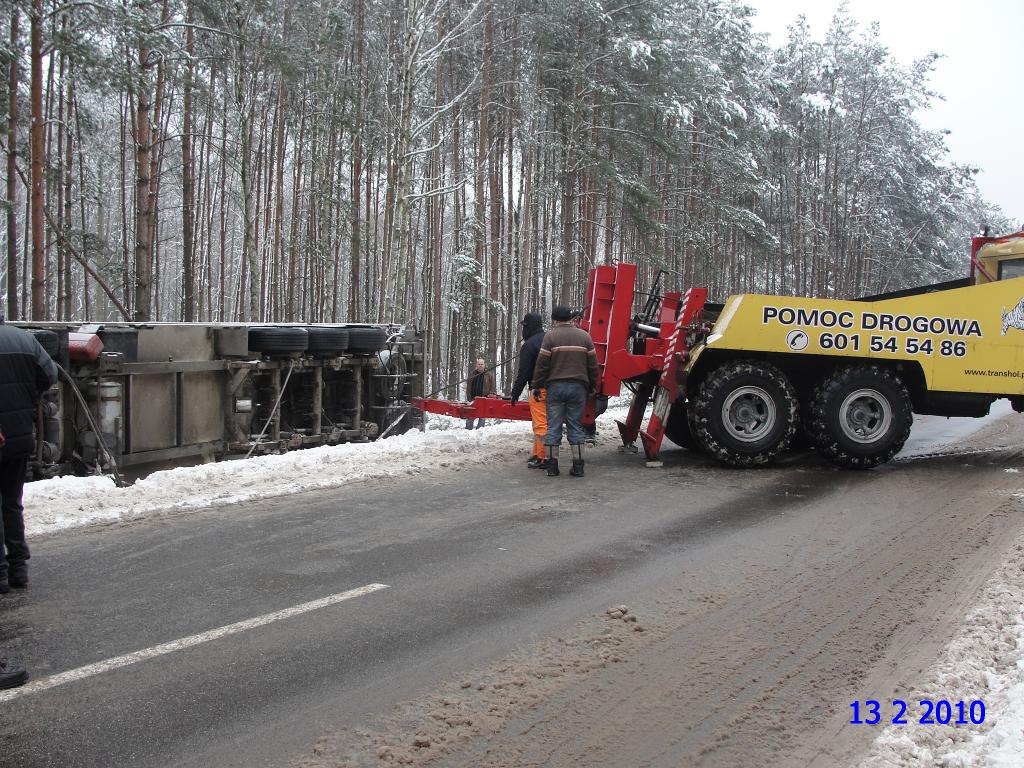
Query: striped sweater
[{"x": 566, "y": 354}]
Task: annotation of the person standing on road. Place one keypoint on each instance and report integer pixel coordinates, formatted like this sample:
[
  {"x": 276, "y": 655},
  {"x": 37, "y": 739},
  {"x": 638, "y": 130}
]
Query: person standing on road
[
  {"x": 567, "y": 367},
  {"x": 26, "y": 371},
  {"x": 533, "y": 336},
  {"x": 481, "y": 384}
]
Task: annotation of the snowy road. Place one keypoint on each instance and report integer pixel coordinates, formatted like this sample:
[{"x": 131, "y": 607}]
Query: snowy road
[{"x": 766, "y": 602}]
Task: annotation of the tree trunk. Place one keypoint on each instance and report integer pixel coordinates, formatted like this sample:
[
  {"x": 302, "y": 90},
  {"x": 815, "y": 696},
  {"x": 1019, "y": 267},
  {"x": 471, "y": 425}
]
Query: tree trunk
[
  {"x": 276, "y": 251},
  {"x": 68, "y": 308},
  {"x": 187, "y": 214},
  {"x": 12, "y": 171},
  {"x": 38, "y": 126},
  {"x": 143, "y": 211},
  {"x": 479, "y": 204}
]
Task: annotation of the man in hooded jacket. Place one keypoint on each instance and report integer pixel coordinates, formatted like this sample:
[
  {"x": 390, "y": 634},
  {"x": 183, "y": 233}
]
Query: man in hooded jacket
[
  {"x": 533, "y": 335},
  {"x": 26, "y": 371}
]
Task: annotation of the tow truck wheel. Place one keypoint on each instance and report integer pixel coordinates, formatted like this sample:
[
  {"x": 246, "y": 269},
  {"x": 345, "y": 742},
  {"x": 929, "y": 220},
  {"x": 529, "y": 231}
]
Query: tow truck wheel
[
  {"x": 861, "y": 416},
  {"x": 677, "y": 426},
  {"x": 745, "y": 413}
]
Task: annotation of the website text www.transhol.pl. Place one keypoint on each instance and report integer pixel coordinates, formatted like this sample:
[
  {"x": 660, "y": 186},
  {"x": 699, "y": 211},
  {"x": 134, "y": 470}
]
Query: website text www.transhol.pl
[{"x": 998, "y": 374}]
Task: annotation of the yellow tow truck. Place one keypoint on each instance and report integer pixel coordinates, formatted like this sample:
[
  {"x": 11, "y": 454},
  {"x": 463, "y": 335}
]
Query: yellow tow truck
[{"x": 848, "y": 376}]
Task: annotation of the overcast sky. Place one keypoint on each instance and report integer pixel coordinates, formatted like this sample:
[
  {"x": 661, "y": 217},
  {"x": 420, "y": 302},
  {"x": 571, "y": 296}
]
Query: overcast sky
[{"x": 980, "y": 76}]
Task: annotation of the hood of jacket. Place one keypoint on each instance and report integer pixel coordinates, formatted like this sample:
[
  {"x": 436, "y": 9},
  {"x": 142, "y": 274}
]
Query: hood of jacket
[{"x": 532, "y": 323}]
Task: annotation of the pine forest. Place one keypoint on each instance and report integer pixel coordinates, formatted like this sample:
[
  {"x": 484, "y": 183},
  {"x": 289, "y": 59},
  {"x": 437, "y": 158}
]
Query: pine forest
[{"x": 453, "y": 164}]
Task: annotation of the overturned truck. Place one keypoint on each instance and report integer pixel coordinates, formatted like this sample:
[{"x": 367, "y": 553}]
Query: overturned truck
[{"x": 138, "y": 397}]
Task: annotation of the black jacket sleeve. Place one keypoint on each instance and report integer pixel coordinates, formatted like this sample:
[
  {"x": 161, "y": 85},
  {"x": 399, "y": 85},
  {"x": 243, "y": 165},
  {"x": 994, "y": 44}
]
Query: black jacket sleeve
[{"x": 527, "y": 361}]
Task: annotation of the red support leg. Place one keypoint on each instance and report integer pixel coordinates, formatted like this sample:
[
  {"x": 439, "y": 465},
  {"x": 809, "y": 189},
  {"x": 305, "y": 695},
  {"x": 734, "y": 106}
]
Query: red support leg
[
  {"x": 667, "y": 390},
  {"x": 630, "y": 428}
]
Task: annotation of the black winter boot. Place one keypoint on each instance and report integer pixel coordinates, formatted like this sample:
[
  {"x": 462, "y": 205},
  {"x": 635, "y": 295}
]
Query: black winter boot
[
  {"x": 577, "y": 461},
  {"x": 11, "y": 675},
  {"x": 536, "y": 462},
  {"x": 552, "y": 463},
  {"x": 17, "y": 574}
]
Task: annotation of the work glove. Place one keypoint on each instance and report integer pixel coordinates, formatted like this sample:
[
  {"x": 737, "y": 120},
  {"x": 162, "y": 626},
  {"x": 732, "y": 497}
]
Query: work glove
[
  {"x": 513, "y": 399},
  {"x": 536, "y": 394}
]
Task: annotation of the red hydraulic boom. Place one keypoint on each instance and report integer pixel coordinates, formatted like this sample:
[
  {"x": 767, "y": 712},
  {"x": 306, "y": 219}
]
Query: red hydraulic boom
[{"x": 650, "y": 366}]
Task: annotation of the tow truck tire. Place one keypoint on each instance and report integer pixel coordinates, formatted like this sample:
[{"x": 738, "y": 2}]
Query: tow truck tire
[
  {"x": 366, "y": 341},
  {"x": 677, "y": 426},
  {"x": 745, "y": 413},
  {"x": 861, "y": 416},
  {"x": 278, "y": 339}
]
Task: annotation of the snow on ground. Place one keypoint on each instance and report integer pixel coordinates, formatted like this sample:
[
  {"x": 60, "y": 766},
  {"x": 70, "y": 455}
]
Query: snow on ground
[
  {"x": 69, "y": 502},
  {"x": 984, "y": 661}
]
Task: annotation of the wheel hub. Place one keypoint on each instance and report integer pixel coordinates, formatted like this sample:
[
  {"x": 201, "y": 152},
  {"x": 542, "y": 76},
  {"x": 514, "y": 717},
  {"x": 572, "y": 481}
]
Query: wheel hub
[
  {"x": 865, "y": 415},
  {"x": 749, "y": 413}
]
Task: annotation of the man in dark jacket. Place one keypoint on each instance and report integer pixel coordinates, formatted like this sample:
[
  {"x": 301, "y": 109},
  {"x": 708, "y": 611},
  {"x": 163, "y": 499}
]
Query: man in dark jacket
[
  {"x": 533, "y": 335},
  {"x": 567, "y": 366},
  {"x": 479, "y": 384},
  {"x": 26, "y": 371}
]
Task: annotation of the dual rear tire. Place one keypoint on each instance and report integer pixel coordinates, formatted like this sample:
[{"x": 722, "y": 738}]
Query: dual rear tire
[
  {"x": 745, "y": 413},
  {"x": 861, "y": 416}
]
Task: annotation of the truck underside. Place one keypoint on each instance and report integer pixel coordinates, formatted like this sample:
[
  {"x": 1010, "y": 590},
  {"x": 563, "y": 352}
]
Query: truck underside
[{"x": 137, "y": 397}]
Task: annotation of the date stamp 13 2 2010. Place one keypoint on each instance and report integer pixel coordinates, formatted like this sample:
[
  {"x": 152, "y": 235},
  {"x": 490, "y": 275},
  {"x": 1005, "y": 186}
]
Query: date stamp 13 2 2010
[{"x": 924, "y": 712}]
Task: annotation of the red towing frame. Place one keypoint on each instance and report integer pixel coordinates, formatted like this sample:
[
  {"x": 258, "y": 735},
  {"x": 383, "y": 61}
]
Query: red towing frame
[{"x": 652, "y": 369}]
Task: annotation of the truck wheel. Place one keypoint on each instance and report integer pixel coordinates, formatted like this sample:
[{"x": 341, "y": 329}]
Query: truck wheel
[
  {"x": 327, "y": 340},
  {"x": 366, "y": 341},
  {"x": 861, "y": 416},
  {"x": 677, "y": 426},
  {"x": 745, "y": 413},
  {"x": 278, "y": 339}
]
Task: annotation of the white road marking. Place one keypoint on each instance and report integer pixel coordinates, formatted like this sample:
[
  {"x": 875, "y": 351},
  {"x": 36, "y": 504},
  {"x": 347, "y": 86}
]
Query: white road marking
[{"x": 128, "y": 659}]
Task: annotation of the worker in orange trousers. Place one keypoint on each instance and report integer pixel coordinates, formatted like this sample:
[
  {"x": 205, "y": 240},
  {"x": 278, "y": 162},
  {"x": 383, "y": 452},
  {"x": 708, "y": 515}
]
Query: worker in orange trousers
[{"x": 533, "y": 335}]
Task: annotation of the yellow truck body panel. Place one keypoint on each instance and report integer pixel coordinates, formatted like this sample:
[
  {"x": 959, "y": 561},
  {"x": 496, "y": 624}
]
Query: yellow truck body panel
[{"x": 967, "y": 339}]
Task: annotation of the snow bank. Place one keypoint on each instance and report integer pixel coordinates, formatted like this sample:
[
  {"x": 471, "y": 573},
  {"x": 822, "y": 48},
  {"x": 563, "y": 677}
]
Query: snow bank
[
  {"x": 69, "y": 502},
  {"x": 984, "y": 661}
]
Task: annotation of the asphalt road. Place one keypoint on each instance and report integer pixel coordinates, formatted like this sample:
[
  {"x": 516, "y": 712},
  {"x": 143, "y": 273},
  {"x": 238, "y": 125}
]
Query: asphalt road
[{"x": 770, "y": 599}]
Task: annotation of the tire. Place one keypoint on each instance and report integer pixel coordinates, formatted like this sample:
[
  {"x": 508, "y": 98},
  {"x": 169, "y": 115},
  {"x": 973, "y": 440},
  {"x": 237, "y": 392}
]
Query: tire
[
  {"x": 861, "y": 416},
  {"x": 327, "y": 341},
  {"x": 366, "y": 341},
  {"x": 48, "y": 340},
  {"x": 745, "y": 413},
  {"x": 677, "y": 426},
  {"x": 278, "y": 339}
]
